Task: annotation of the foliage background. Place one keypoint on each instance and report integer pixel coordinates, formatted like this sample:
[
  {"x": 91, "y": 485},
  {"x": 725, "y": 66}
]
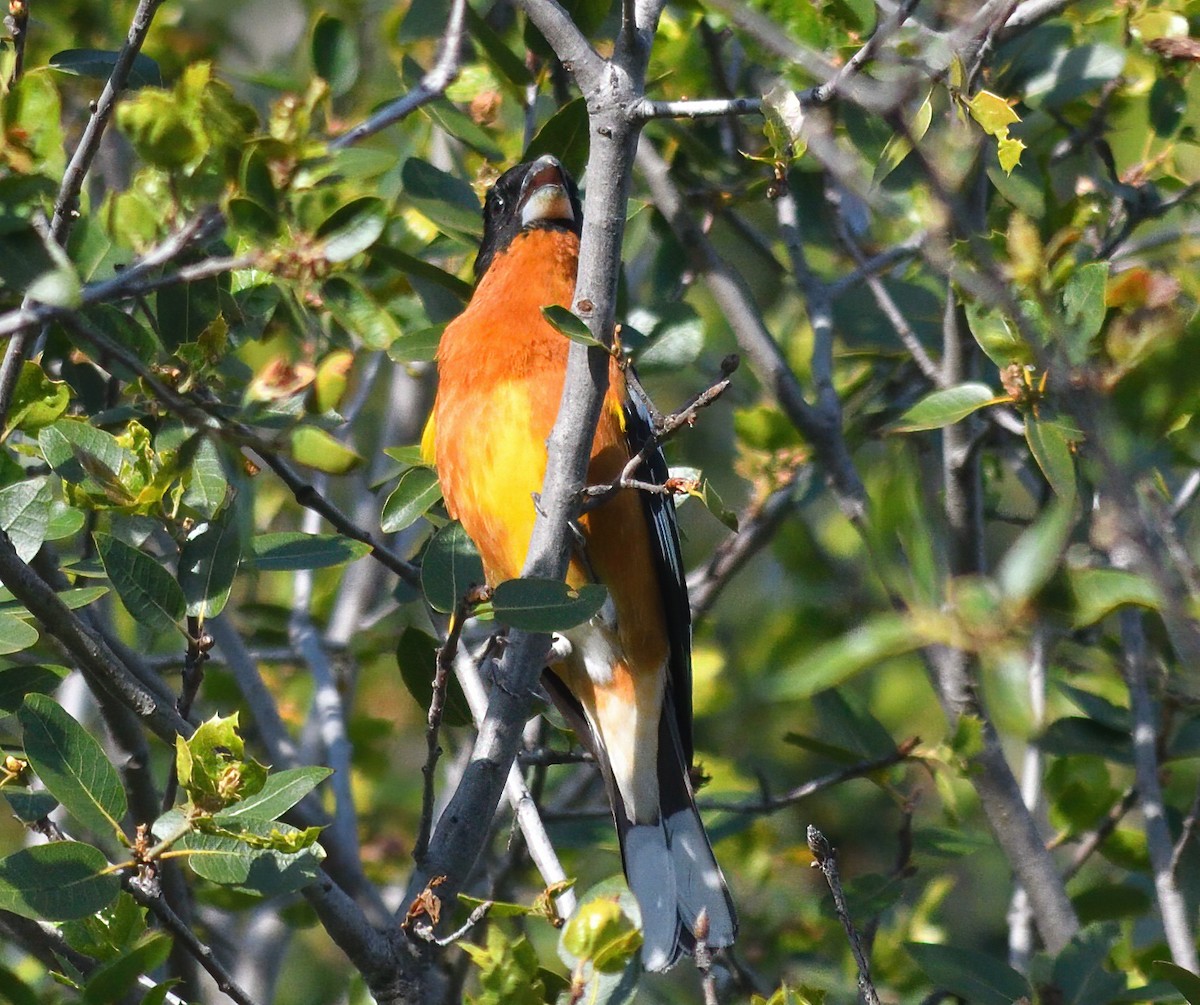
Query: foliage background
[{"x": 1029, "y": 530}]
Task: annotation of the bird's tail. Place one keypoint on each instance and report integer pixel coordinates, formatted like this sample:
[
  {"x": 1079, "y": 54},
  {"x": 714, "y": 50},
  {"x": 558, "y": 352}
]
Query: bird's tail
[{"x": 671, "y": 868}]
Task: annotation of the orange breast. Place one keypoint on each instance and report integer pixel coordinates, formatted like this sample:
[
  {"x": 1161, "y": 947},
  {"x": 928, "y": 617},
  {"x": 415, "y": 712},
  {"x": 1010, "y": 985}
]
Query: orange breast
[{"x": 501, "y": 369}]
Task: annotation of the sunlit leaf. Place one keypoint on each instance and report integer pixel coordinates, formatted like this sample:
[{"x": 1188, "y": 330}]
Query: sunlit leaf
[{"x": 945, "y": 407}]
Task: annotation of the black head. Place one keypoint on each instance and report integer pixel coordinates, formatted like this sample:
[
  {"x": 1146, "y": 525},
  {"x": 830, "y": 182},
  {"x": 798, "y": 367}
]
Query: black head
[{"x": 536, "y": 194}]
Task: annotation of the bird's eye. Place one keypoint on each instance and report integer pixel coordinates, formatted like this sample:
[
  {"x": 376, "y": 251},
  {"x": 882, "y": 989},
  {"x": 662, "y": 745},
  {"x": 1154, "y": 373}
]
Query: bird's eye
[{"x": 499, "y": 202}]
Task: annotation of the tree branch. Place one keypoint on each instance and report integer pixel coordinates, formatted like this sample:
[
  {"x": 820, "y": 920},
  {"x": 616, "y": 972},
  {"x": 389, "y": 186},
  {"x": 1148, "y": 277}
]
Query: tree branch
[
  {"x": 1171, "y": 905},
  {"x": 432, "y": 86},
  {"x": 66, "y": 204}
]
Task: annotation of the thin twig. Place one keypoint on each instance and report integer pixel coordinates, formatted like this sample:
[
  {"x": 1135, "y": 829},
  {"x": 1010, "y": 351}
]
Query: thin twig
[
  {"x": 767, "y": 803},
  {"x": 425, "y": 931},
  {"x": 148, "y": 895},
  {"x": 17, "y": 23},
  {"x": 432, "y": 86},
  {"x": 328, "y": 709},
  {"x": 705, "y": 108},
  {"x": 433, "y": 723},
  {"x": 826, "y": 860},
  {"x": 834, "y": 85},
  {"x": 1093, "y": 839},
  {"x": 744, "y": 318},
  {"x": 135, "y": 278},
  {"x": 664, "y": 429},
  {"x": 702, "y": 956}
]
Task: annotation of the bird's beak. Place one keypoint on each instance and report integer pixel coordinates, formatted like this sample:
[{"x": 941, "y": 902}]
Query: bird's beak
[{"x": 544, "y": 196}]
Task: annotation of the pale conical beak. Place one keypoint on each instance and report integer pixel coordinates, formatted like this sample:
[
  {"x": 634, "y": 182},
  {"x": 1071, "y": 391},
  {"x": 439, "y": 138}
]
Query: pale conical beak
[{"x": 544, "y": 196}]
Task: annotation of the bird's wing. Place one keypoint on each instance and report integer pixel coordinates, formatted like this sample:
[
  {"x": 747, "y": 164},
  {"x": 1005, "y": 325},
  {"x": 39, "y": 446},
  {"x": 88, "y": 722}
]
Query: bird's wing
[{"x": 668, "y": 560}]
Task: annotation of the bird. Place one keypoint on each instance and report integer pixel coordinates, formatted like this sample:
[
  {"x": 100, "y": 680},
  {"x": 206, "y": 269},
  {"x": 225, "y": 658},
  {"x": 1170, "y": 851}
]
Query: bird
[{"x": 623, "y": 679}]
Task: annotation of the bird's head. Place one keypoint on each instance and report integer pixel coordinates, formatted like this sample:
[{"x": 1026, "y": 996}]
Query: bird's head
[{"x": 538, "y": 194}]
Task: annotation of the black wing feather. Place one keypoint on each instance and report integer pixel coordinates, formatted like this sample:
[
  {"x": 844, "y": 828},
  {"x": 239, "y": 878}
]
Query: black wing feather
[{"x": 668, "y": 560}]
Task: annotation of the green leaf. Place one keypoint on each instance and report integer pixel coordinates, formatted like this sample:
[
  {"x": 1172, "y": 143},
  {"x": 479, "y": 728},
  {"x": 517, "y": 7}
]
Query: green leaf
[
  {"x": 315, "y": 448},
  {"x": 499, "y": 55},
  {"x": 99, "y": 63},
  {"x": 879, "y": 637},
  {"x": 72, "y": 765},
  {"x": 353, "y": 228},
  {"x": 546, "y": 605},
  {"x": 1079, "y": 972},
  {"x": 1050, "y": 444},
  {"x": 574, "y": 327},
  {"x": 29, "y": 807},
  {"x": 279, "y": 793},
  {"x": 1111, "y": 902},
  {"x": 1099, "y": 592},
  {"x": 993, "y": 113},
  {"x": 416, "y": 347},
  {"x": 783, "y": 123},
  {"x": 1068, "y": 72},
  {"x": 416, "y": 656},
  {"x": 1184, "y": 981},
  {"x": 417, "y": 490},
  {"x": 208, "y": 562},
  {"x": 206, "y": 483},
  {"x": 566, "y": 135},
  {"x": 115, "y": 979},
  {"x": 56, "y": 881},
  {"x": 335, "y": 54},
  {"x": 264, "y": 870},
  {"x": 419, "y": 269},
  {"x": 900, "y": 146},
  {"x": 1083, "y": 301},
  {"x": 37, "y": 400},
  {"x": 59, "y": 287},
  {"x": 150, "y": 593},
  {"x": 18, "y": 681},
  {"x": 997, "y": 336},
  {"x": 25, "y": 515},
  {"x": 213, "y": 768},
  {"x": 445, "y": 199},
  {"x": 15, "y": 634},
  {"x": 946, "y": 407},
  {"x": 1074, "y": 734},
  {"x": 360, "y": 314},
  {"x": 1034, "y": 556},
  {"x": 289, "y": 551},
  {"x": 75, "y": 450},
  {"x": 981, "y": 979},
  {"x": 450, "y": 567}
]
